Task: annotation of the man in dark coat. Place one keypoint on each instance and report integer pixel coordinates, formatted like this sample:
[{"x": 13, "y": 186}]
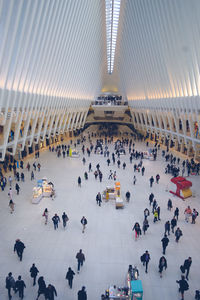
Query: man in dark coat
[
  {"x": 165, "y": 242},
  {"x": 50, "y": 292},
  {"x": 173, "y": 223},
  {"x": 183, "y": 286},
  {"x": 19, "y": 287},
  {"x": 82, "y": 294},
  {"x": 19, "y": 247},
  {"x": 80, "y": 258},
  {"x": 42, "y": 286},
  {"x": 34, "y": 271},
  {"x": 145, "y": 258},
  {"x": 187, "y": 265},
  {"x": 69, "y": 276}
]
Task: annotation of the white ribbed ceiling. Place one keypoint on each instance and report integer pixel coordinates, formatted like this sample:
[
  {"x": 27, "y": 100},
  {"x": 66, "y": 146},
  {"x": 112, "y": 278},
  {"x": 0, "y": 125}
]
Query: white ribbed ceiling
[
  {"x": 159, "y": 49},
  {"x": 58, "y": 48},
  {"x": 52, "y": 47}
]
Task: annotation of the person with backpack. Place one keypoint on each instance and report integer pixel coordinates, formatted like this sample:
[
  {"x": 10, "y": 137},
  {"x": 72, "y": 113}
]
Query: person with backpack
[
  {"x": 183, "y": 286},
  {"x": 34, "y": 271},
  {"x": 10, "y": 284}
]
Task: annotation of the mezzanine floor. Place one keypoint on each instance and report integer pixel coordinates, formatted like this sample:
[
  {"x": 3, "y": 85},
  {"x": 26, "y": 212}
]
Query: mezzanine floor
[{"x": 108, "y": 242}]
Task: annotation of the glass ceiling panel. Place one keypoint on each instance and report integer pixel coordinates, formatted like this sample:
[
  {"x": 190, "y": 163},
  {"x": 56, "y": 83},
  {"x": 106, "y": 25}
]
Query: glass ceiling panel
[{"x": 112, "y": 21}]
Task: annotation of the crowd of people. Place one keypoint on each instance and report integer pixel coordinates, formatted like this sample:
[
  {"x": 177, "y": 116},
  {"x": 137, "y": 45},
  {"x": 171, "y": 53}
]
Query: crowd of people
[{"x": 104, "y": 147}]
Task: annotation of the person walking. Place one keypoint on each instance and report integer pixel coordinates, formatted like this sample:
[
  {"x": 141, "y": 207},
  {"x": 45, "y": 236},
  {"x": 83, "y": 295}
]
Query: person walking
[
  {"x": 183, "y": 286},
  {"x": 194, "y": 215},
  {"x": 98, "y": 198},
  {"x": 187, "y": 213},
  {"x": 146, "y": 213},
  {"x": 145, "y": 258},
  {"x": 137, "y": 229},
  {"x": 151, "y": 180},
  {"x": 169, "y": 204},
  {"x": 19, "y": 287},
  {"x": 165, "y": 242},
  {"x": 79, "y": 181},
  {"x": 167, "y": 227},
  {"x": 173, "y": 224},
  {"x": 128, "y": 196},
  {"x": 64, "y": 219},
  {"x": 80, "y": 259},
  {"x": 34, "y": 271},
  {"x": 176, "y": 213},
  {"x": 187, "y": 264},
  {"x": 84, "y": 223},
  {"x": 32, "y": 175},
  {"x": 56, "y": 220},
  {"x": 157, "y": 178},
  {"x": 17, "y": 187},
  {"x": 155, "y": 219},
  {"x": 69, "y": 276},
  {"x": 45, "y": 215},
  {"x": 145, "y": 225},
  {"x": 158, "y": 211},
  {"x": 162, "y": 265},
  {"x": 12, "y": 206},
  {"x": 82, "y": 295},
  {"x": 151, "y": 196},
  {"x": 19, "y": 247},
  {"x": 178, "y": 234},
  {"x": 10, "y": 284},
  {"x": 50, "y": 292},
  {"x": 42, "y": 287},
  {"x": 155, "y": 204}
]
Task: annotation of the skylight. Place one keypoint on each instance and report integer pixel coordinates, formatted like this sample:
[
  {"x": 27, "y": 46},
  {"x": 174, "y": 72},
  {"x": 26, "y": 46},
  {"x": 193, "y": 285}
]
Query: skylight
[{"x": 112, "y": 21}]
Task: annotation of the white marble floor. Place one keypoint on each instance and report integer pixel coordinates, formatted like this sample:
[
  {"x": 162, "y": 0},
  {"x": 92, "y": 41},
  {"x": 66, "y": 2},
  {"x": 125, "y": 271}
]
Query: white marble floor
[{"x": 108, "y": 242}]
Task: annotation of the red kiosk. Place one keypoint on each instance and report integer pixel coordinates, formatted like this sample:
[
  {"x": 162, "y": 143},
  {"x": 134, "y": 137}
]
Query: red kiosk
[{"x": 182, "y": 187}]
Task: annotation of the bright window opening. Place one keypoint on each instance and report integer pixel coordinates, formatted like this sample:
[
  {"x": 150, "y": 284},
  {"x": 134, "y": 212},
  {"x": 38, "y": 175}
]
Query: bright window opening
[{"x": 112, "y": 21}]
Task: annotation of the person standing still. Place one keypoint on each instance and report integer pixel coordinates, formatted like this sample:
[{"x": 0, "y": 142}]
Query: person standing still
[
  {"x": 80, "y": 259},
  {"x": 84, "y": 223},
  {"x": 34, "y": 271},
  {"x": 69, "y": 276}
]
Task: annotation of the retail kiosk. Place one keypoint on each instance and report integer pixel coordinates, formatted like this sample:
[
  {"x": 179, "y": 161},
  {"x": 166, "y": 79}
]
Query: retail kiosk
[
  {"x": 43, "y": 189},
  {"x": 114, "y": 193}
]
